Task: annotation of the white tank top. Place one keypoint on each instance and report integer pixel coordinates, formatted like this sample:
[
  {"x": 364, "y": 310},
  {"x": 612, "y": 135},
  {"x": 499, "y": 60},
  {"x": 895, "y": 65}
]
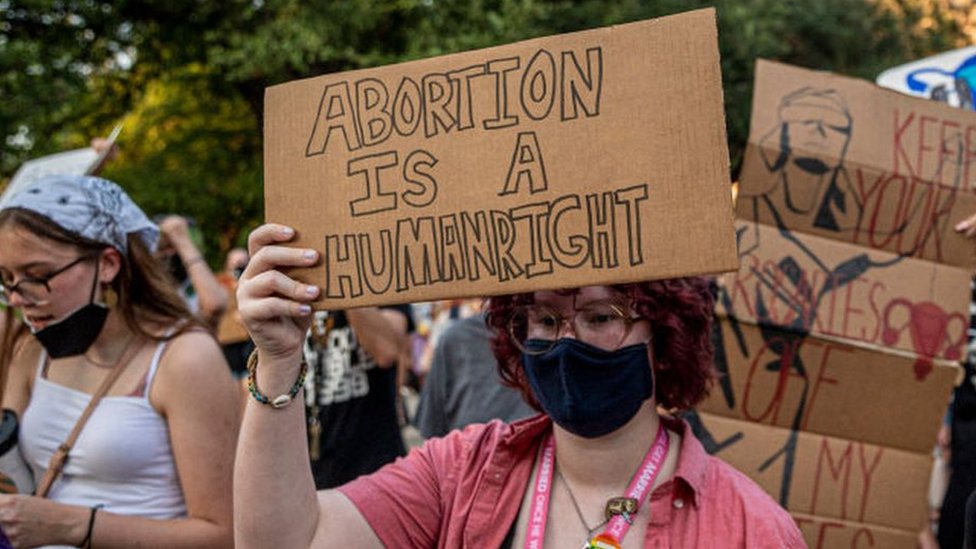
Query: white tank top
[{"x": 122, "y": 459}]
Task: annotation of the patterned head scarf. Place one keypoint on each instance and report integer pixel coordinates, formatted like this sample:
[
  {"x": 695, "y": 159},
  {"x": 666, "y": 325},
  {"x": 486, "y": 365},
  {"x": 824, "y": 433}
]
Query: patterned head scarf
[{"x": 92, "y": 207}]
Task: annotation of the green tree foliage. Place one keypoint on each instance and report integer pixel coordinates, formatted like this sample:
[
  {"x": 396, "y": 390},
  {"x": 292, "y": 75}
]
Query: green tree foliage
[
  {"x": 192, "y": 147},
  {"x": 187, "y": 77}
]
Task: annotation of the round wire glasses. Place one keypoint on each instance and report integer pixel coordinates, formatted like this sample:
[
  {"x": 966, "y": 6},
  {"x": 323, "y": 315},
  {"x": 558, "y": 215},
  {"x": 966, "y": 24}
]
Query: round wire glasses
[{"x": 535, "y": 328}]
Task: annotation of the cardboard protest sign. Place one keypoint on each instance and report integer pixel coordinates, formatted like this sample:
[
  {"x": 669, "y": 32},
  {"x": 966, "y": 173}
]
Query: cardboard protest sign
[
  {"x": 822, "y": 476},
  {"x": 831, "y": 288},
  {"x": 587, "y": 158},
  {"x": 827, "y": 386},
  {"x": 843, "y": 159},
  {"x": 838, "y": 337},
  {"x": 821, "y": 532},
  {"x": 948, "y": 77}
]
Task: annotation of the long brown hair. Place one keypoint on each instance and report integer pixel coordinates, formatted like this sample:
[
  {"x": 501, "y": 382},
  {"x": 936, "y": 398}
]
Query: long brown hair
[
  {"x": 11, "y": 330},
  {"x": 146, "y": 293}
]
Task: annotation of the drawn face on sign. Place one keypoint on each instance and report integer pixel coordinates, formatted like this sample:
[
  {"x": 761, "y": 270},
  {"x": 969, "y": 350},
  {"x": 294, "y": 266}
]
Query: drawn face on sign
[{"x": 807, "y": 148}]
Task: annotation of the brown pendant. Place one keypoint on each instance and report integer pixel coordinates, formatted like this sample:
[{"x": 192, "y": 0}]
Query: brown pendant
[{"x": 621, "y": 506}]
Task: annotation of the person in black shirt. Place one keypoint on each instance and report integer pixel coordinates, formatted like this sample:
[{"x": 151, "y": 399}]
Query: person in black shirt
[
  {"x": 962, "y": 455},
  {"x": 351, "y": 391}
]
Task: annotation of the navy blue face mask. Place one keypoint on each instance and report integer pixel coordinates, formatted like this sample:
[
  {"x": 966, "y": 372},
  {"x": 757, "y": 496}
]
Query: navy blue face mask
[{"x": 586, "y": 390}]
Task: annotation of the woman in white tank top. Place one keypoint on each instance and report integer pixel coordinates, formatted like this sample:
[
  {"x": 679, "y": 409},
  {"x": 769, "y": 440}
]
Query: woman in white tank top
[{"x": 153, "y": 464}]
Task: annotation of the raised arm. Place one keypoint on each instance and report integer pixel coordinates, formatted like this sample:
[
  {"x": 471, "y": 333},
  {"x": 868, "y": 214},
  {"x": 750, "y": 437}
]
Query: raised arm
[
  {"x": 211, "y": 295},
  {"x": 275, "y": 504},
  {"x": 381, "y": 332}
]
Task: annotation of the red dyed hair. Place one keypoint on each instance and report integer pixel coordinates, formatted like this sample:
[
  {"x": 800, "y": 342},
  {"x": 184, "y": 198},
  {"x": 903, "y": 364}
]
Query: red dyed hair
[{"x": 680, "y": 315}]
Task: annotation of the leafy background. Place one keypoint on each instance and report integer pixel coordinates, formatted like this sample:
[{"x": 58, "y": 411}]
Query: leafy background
[{"x": 187, "y": 77}]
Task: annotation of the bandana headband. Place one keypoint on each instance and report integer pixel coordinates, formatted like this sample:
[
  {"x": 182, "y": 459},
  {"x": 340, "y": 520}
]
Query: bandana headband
[{"x": 92, "y": 207}]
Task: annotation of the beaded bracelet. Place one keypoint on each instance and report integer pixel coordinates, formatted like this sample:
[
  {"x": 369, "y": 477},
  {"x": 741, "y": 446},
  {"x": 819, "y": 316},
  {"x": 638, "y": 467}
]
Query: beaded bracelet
[{"x": 281, "y": 400}]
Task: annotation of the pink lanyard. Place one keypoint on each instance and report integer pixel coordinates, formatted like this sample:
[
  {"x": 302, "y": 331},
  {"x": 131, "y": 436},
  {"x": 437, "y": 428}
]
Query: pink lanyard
[{"x": 617, "y": 527}]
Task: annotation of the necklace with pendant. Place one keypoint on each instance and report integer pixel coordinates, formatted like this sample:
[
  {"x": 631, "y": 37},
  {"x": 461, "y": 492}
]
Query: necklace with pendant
[
  {"x": 579, "y": 513},
  {"x": 619, "y": 512}
]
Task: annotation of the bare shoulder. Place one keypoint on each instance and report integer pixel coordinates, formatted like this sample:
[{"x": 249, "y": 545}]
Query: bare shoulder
[
  {"x": 25, "y": 360},
  {"x": 192, "y": 367},
  {"x": 195, "y": 340}
]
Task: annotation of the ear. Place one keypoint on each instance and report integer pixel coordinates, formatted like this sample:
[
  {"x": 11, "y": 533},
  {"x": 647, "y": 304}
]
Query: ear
[{"x": 109, "y": 265}]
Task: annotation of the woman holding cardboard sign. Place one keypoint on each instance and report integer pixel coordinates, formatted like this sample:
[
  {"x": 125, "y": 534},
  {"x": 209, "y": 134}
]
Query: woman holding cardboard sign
[
  {"x": 128, "y": 412},
  {"x": 599, "y": 467}
]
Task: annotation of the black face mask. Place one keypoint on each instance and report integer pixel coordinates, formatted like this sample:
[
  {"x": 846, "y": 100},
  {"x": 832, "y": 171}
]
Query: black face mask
[
  {"x": 586, "y": 390},
  {"x": 75, "y": 333}
]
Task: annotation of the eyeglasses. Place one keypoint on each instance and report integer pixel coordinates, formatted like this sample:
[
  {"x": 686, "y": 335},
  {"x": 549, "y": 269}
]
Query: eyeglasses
[
  {"x": 535, "y": 328},
  {"x": 33, "y": 290}
]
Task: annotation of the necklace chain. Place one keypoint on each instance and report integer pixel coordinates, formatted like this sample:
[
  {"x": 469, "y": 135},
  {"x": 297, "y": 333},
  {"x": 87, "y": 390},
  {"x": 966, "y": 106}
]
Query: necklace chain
[
  {"x": 113, "y": 363},
  {"x": 579, "y": 513}
]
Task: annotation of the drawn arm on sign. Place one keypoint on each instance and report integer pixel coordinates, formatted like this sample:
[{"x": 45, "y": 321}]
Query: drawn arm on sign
[{"x": 790, "y": 282}]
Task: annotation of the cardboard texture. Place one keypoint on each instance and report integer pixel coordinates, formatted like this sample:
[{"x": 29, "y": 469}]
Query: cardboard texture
[
  {"x": 842, "y": 290},
  {"x": 844, "y": 159},
  {"x": 823, "y": 533},
  {"x": 827, "y": 477},
  {"x": 837, "y": 337},
  {"x": 827, "y": 386},
  {"x": 587, "y": 158},
  {"x": 231, "y": 328}
]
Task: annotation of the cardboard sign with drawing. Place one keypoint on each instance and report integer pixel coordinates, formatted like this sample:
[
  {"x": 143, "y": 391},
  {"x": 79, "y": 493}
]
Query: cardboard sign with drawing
[
  {"x": 588, "y": 158},
  {"x": 839, "y": 332}
]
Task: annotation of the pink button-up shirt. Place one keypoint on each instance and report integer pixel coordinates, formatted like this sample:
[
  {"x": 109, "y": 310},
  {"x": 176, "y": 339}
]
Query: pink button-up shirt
[{"x": 465, "y": 490}]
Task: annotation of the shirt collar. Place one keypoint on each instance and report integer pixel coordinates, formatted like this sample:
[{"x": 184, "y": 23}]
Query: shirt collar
[
  {"x": 692, "y": 459},
  {"x": 527, "y": 430}
]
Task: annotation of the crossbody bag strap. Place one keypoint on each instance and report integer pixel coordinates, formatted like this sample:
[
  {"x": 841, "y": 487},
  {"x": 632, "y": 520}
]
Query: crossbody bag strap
[{"x": 60, "y": 457}]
